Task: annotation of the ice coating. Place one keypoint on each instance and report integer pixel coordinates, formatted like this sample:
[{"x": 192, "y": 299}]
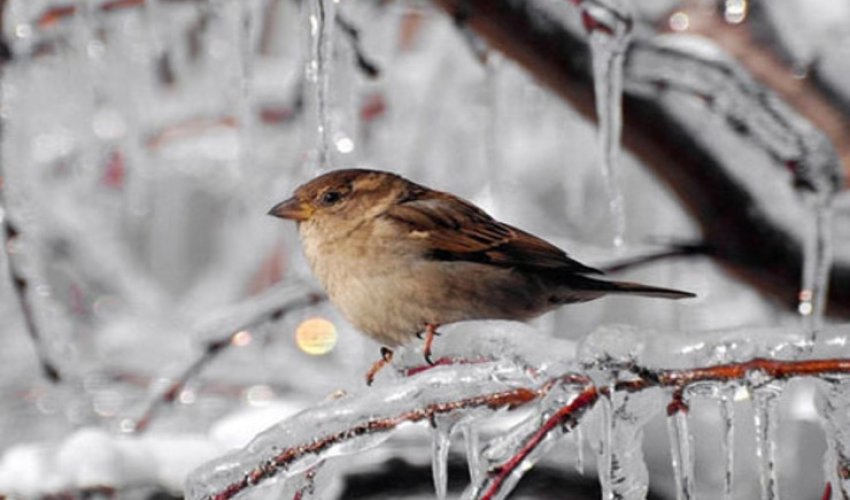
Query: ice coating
[
  {"x": 691, "y": 66},
  {"x": 356, "y": 422}
]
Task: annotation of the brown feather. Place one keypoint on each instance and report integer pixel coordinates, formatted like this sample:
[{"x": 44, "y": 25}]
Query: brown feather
[{"x": 459, "y": 231}]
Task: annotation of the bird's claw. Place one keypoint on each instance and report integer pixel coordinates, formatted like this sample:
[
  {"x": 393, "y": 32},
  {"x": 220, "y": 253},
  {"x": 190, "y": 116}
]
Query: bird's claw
[{"x": 386, "y": 358}]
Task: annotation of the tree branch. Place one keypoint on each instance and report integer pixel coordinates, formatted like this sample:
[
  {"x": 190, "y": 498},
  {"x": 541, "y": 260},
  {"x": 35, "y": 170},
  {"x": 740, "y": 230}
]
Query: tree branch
[{"x": 734, "y": 220}]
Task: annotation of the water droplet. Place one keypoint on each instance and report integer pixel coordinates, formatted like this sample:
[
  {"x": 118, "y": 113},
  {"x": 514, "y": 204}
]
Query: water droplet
[
  {"x": 23, "y": 31},
  {"x": 735, "y": 11},
  {"x": 679, "y": 21},
  {"x": 242, "y": 338}
]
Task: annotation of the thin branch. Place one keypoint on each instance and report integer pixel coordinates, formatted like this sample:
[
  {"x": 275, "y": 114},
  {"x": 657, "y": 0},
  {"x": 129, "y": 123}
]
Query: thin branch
[
  {"x": 673, "y": 251},
  {"x": 365, "y": 63},
  {"x": 211, "y": 350},
  {"x": 21, "y": 286}
]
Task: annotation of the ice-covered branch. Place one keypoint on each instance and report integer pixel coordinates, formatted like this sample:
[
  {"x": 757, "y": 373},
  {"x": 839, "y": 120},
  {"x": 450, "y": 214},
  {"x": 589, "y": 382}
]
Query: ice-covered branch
[
  {"x": 21, "y": 285},
  {"x": 225, "y": 328},
  {"x": 665, "y": 111},
  {"x": 619, "y": 382},
  {"x": 358, "y": 422}
]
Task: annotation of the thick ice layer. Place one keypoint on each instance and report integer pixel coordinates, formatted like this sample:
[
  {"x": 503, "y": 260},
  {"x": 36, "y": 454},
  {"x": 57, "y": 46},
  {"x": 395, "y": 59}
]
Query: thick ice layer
[
  {"x": 507, "y": 341},
  {"x": 355, "y": 423}
]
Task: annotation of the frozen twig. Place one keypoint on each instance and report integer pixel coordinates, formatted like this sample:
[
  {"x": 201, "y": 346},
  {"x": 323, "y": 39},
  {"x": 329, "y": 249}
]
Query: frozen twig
[
  {"x": 286, "y": 456},
  {"x": 494, "y": 483},
  {"x": 366, "y": 65},
  {"x": 271, "y": 306},
  {"x": 21, "y": 286},
  {"x": 567, "y": 417},
  {"x": 672, "y": 251}
]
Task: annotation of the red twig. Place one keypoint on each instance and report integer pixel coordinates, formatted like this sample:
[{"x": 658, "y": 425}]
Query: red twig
[{"x": 567, "y": 417}]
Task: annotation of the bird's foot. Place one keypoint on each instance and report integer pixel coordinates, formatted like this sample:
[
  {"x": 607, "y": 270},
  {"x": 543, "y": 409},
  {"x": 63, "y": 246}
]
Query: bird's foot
[
  {"x": 430, "y": 332},
  {"x": 386, "y": 358}
]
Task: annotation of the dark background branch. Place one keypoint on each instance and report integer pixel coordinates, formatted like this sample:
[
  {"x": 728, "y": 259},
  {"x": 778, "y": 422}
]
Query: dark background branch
[{"x": 734, "y": 222}]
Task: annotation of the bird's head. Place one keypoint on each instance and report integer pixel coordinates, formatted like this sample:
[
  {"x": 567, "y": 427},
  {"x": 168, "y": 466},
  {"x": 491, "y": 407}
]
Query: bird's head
[{"x": 342, "y": 198}]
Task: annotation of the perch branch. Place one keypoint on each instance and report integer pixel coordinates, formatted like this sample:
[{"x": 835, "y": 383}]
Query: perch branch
[
  {"x": 733, "y": 220},
  {"x": 278, "y": 463},
  {"x": 563, "y": 419}
]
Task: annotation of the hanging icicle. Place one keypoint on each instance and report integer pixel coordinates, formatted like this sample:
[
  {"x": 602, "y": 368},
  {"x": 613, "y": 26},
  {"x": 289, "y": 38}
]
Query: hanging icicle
[
  {"x": 320, "y": 16},
  {"x": 765, "y": 403},
  {"x": 608, "y": 24}
]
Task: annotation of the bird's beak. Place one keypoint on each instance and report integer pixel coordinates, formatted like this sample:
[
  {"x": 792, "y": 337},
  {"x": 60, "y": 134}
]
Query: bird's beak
[{"x": 292, "y": 209}]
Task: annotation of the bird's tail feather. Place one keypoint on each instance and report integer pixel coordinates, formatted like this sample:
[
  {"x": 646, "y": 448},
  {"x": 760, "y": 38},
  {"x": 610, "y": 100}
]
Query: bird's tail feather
[{"x": 626, "y": 287}]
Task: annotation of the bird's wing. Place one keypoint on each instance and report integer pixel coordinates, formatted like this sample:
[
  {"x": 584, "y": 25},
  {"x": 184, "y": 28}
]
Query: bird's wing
[{"x": 455, "y": 229}]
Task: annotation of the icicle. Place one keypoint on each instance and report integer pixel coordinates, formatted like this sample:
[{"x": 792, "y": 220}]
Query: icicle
[
  {"x": 834, "y": 407},
  {"x": 247, "y": 35},
  {"x": 604, "y": 444},
  {"x": 578, "y": 434},
  {"x": 765, "y": 401},
  {"x": 727, "y": 416},
  {"x": 321, "y": 15},
  {"x": 622, "y": 471},
  {"x": 472, "y": 440},
  {"x": 680, "y": 451},
  {"x": 608, "y": 25},
  {"x": 440, "y": 456},
  {"x": 816, "y": 266}
]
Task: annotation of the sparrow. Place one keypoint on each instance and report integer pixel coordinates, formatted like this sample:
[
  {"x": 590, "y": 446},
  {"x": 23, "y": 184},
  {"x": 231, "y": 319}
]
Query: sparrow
[{"x": 399, "y": 259}]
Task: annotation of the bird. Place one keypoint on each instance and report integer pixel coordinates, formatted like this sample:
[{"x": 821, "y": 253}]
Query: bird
[{"x": 399, "y": 259}]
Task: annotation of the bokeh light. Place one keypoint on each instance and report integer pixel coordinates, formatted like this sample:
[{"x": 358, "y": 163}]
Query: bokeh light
[{"x": 316, "y": 336}]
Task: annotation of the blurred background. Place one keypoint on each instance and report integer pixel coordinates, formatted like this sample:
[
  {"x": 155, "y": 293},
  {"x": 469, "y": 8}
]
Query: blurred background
[{"x": 143, "y": 142}]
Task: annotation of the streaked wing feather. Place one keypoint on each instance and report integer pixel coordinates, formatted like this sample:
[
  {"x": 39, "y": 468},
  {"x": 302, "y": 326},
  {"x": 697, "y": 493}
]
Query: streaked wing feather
[{"x": 458, "y": 230}]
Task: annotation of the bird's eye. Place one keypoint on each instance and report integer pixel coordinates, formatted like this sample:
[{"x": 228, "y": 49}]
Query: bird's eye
[{"x": 331, "y": 197}]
